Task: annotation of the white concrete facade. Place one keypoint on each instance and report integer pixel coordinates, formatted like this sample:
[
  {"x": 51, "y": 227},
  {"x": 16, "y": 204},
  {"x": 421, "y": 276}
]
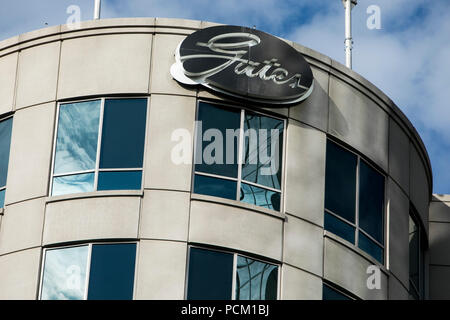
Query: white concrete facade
[{"x": 132, "y": 57}]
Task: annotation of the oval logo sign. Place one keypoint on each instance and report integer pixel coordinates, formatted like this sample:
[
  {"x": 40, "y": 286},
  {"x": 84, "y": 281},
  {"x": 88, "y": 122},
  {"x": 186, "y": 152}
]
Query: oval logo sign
[{"x": 244, "y": 63}]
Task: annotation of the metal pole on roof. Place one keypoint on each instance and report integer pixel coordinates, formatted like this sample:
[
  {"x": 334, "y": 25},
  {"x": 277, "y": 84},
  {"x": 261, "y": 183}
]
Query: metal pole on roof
[
  {"x": 97, "y": 9},
  {"x": 348, "y": 5}
]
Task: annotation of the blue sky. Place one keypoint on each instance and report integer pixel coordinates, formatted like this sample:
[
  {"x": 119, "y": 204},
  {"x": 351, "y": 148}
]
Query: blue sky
[{"x": 408, "y": 58}]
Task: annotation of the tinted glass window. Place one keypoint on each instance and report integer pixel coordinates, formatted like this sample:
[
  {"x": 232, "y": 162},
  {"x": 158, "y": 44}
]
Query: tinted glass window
[
  {"x": 339, "y": 227},
  {"x": 260, "y": 197},
  {"x": 217, "y": 157},
  {"x": 76, "y": 145},
  {"x": 123, "y": 133},
  {"x": 2, "y": 198},
  {"x": 112, "y": 272},
  {"x": 255, "y": 280},
  {"x": 215, "y": 187},
  {"x": 340, "y": 181},
  {"x": 329, "y": 293},
  {"x": 73, "y": 184},
  {"x": 64, "y": 276},
  {"x": 210, "y": 275},
  {"x": 119, "y": 180},
  {"x": 370, "y": 247},
  {"x": 371, "y": 201},
  {"x": 5, "y": 141},
  {"x": 263, "y": 147}
]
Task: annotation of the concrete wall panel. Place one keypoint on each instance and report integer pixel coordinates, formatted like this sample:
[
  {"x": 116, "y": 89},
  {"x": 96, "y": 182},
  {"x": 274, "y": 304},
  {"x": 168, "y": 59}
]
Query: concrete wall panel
[
  {"x": 348, "y": 270},
  {"x": 235, "y": 228},
  {"x": 22, "y": 225},
  {"x": 305, "y": 172},
  {"x": 92, "y": 218},
  {"x": 37, "y": 74},
  {"x": 303, "y": 245},
  {"x": 161, "y": 270},
  {"x": 167, "y": 114},
  {"x": 165, "y": 215},
  {"x": 399, "y": 155},
  {"x": 299, "y": 285},
  {"x": 30, "y": 155},
  {"x": 106, "y": 64},
  {"x": 19, "y": 273}
]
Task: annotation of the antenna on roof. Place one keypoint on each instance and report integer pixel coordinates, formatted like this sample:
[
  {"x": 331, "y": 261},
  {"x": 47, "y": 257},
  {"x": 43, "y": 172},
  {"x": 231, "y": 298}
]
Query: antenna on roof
[
  {"x": 97, "y": 9},
  {"x": 348, "y": 5}
]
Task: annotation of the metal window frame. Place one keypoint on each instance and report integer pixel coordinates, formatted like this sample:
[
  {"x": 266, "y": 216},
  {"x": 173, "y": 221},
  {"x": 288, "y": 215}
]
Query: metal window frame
[
  {"x": 239, "y": 180},
  {"x": 97, "y": 168},
  {"x": 89, "y": 245},
  {"x": 358, "y": 229},
  {"x": 234, "y": 269}
]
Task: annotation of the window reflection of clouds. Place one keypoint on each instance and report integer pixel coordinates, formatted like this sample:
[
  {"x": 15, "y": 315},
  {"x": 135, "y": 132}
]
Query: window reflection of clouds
[
  {"x": 260, "y": 197},
  {"x": 254, "y": 281},
  {"x": 251, "y": 171},
  {"x": 76, "y": 145},
  {"x": 73, "y": 184},
  {"x": 58, "y": 262}
]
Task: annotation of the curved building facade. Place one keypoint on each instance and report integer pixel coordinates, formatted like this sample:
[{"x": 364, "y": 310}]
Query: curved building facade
[{"x": 103, "y": 195}]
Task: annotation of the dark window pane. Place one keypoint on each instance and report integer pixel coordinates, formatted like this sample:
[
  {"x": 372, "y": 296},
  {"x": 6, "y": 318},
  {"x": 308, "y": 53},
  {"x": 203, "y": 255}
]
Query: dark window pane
[
  {"x": 329, "y": 293},
  {"x": 123, "y": 133},
  {"x": 5, "y": 141},
  {"x": 340, "y": 181},
  {"x": 255, "y": 280},
  {"x": 215, "y": 187},
  {"x": 371, "y": 247},
  {"x": 260, "y": 197},
  {"x": 119, "y": 180},
  {"x": 263, "y": 149},
  {"x": 76, "y": 144},
  {"x": 414, "y": 249},
  {"x": 112, "y": 272},
  {"x": 339, "y": 228},
  {"x": 64, "y": 276},
  {"x": 73, "y": 184},
  {"x": 371, "y": 202},
  {"x": 218, "y": 155},
  {"x": 2, "y": 198},
  {"x": 210, "y": 275}
]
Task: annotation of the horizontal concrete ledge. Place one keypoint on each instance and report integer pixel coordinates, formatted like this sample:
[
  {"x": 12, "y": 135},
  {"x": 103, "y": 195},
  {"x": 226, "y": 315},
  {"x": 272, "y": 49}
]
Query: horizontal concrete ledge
[
  {"x": 237, "y": 204},
  {"x": 96, "y": 194},
  {"x": 357, "y": 250}
]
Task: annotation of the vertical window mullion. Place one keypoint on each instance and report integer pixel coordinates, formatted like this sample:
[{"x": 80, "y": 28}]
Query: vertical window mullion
[
  {"x": 233, "y": 284},
  {"x": 99, "y": 143},
  {"x": 357, "y": 202},
  {"x": 240, "y": 154},
  {"x": 55, "y": 137},
  {"x": 88, "y": 271}
]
